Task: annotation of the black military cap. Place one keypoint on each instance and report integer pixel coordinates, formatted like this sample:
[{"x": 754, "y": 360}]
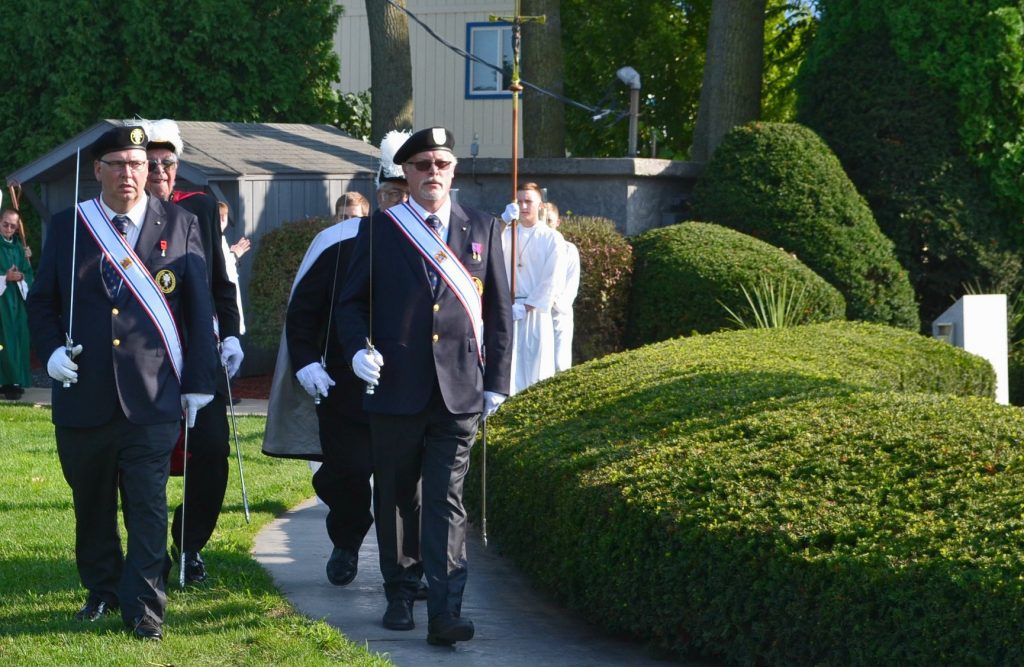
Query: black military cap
[
  {"x": 119, "y": 139},
  {"x": 430, "y": 139}
]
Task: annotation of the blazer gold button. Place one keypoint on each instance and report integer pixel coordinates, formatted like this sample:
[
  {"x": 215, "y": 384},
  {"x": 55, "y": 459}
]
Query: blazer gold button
[
  {"x": 436, "y": 307},
  {"x": 435, "y": 337},
  {"x": 117, "y": 341},
  {"x": 116, "y": 311}
]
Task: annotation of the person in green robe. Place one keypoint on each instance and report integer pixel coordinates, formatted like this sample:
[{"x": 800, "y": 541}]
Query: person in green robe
[{"x": 15, "y": 280}]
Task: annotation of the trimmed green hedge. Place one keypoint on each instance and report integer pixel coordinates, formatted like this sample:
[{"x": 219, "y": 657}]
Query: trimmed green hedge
[
  {"x": 278, "y": 255},
  {"x": 780, "y": 183},
  {"x": 606, "y": 269},
  {"x": 682, "y": 275},
  {"x": 743, "y": 494}
]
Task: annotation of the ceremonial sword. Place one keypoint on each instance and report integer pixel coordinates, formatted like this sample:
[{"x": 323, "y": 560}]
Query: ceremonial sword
[
  {"x": 238, "y": 451},
  {"x": 69, "y": 342}
]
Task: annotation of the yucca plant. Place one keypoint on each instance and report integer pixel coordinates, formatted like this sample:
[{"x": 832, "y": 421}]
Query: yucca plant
[{"x": 772, "y": 306}]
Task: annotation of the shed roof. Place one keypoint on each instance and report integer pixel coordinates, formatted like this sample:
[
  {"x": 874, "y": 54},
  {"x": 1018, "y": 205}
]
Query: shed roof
[{"x": 230, "y": 151}]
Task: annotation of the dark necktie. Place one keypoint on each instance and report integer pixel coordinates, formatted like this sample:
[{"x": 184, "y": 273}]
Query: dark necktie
[
  {"x": 435, "y": 224},
  {"x": 111, "y": 278}
]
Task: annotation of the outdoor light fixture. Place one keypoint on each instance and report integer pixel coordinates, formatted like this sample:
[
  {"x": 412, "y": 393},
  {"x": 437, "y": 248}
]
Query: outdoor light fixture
[{"x": 630, "y": 77}]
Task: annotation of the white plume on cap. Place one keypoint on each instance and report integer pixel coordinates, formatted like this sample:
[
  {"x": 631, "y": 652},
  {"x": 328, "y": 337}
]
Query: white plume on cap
[
  {"x": 163, "y": 131},
  {"x": 389, "y": 145}
]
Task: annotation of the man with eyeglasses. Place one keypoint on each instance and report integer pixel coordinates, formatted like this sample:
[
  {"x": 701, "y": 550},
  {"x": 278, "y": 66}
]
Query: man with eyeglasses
[
  {"x": 316, "y": 404},
  {"x": 208, "y": 440},
  {"x": 432, "y": 337},
  {"x": 121, "y": 288}
]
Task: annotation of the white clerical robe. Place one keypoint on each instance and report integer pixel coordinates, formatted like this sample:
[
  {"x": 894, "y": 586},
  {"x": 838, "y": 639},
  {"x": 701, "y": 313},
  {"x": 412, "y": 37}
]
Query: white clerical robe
[
  {"x": 539, "y": 255},
  {"x": 561, "y": 309}
]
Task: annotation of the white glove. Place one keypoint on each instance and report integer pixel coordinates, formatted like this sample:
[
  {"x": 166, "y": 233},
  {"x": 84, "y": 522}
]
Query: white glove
[
  {"x": 314, "y": 379},
  {"x": 510, "y": 213},
  {"x": 492, "y": 401},
  {"x": 61, "y": 367},
  {"x": 518, "y": 311},
  {"x": 191, "y": 404},
  {"x": 231, "y": 355},
  {"x": 366, "y": 365}
]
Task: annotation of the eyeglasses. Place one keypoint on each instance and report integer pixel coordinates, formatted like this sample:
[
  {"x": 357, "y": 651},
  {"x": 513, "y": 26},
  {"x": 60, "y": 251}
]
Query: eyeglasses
[
  {"x": 424, "y": 165},
  {"x": 167, "y": 163},
  {"x": 117, "y": 165},
  {"x": 393, "y": 195}
]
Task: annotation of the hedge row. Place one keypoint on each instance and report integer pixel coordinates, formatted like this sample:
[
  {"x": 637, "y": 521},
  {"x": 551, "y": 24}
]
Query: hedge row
[
  {"x": 683, "y": 274},
  {"x": 743, "y": 495}
]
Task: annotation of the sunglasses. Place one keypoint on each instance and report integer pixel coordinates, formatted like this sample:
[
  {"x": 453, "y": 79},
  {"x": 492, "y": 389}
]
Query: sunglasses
[
  {"x": 167, "y": 163},
  {"x": 424, "y": 165}
]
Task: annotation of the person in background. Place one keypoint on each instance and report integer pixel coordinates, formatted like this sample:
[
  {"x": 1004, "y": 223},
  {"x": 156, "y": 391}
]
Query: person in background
[
  {"x": 538, "y": 264},
  {"x": 439, "y": 359},
  {"x": 566, "y": 289},
  {"x": 351, "y": 205},
  {"x": 120, "y": 391},
  {"x": 232, "y": 253},
  {"x": 15, "y": 280},
  {"x": 208, "y": 448}
]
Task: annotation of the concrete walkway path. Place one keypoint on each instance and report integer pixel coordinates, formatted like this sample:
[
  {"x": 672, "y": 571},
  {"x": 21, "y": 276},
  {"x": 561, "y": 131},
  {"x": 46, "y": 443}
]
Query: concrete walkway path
[{"x": 515, "y": 625}]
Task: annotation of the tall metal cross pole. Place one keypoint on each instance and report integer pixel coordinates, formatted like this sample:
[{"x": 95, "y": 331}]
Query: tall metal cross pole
[{"x": 517, "y": 20}]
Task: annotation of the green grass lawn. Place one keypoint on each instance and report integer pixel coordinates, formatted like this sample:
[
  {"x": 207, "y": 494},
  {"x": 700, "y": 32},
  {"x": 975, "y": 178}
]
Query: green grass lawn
[{"x": 235, "y": 618}]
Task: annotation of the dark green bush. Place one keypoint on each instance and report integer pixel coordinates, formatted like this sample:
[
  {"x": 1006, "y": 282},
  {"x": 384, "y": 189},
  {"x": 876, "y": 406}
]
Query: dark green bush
[
  {"x": 606, "y": 266},
  {"x": 744, "y": 494},
  {"x": 278, "y": 255},
  {"x": 897, "y": 133},
  {"x": 780, "y": 183},
  {"x": 682, "y": 275}
]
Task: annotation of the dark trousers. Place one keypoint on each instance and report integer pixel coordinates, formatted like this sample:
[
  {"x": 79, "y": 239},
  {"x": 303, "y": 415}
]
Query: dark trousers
[
  {"x": 343, "y": 480},
  {"x": 206, "y": 478},
  {"x": 95, "y": 461},
  {"x": 434, "y": 444}
]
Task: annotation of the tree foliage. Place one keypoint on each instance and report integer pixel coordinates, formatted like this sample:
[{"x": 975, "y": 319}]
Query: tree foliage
[
  {"x": 664, "y": 40},
  {"x": 70, "y": 63}
]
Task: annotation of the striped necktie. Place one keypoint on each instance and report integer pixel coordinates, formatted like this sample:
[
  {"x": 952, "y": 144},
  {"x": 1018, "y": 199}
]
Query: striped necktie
[
  {"x": 111, "y": 278},
  {"x": 435, "y": 224}
]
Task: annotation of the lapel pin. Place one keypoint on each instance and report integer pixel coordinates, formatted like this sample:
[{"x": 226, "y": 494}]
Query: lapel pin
[{"x": 163, "y": 248}]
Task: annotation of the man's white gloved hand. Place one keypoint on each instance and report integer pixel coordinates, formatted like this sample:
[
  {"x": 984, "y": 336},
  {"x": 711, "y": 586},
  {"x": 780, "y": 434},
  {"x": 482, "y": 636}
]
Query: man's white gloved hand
[
  {"x": 510, "y": 213},
  {"x": 366, "y": 365},
  {"x": 231, "y": 355},
  {"x": 61, "y": 367},
  {"x": 193, "y": 403},
  {"x": 518, "y": 311},
  {"x": 314, "y": 379},
  {"x": 492, "y": 401}
]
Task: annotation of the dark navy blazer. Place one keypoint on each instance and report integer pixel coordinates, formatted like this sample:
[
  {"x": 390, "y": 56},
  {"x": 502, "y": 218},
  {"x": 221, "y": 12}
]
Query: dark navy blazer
[
  {"x": 423, "y": 337},
  {"x": 123, "y": 359}
]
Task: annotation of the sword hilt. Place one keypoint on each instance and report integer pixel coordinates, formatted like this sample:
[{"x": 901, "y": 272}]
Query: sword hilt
[
  {"x": 370, "y": 387},
  {"x": 68, "y": 345}
]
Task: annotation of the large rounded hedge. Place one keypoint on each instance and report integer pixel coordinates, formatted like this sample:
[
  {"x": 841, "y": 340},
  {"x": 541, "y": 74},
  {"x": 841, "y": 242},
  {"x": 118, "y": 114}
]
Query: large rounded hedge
[
  {"x": 780, "y": 183},
  {"x": 831, "y": 494},
  {"x": 277, "y": 260},
  {"x": 897, "y": 132},
  {"x": 682, "y": 274}
]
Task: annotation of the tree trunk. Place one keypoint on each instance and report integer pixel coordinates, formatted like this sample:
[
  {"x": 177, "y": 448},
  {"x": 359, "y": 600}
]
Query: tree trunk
[
  {"x": 542, "y": 65},
  {"x": 731, "y": 90},
  {"x": 390, "y": 69}
]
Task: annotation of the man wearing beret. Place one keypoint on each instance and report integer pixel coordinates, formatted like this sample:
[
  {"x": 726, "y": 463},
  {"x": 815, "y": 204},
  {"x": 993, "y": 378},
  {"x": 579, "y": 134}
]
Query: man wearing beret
[
  {"x": 208, "y": 448},
  {"x": 427, "y": 282},
  {"x": 122, "y": 307}
]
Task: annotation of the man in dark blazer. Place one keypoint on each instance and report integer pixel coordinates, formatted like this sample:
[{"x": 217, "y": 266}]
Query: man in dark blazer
[
  {"x": 132, "y": 295},
  {"x": 209, "y": 451},
  {"x": 440, "y": 306}
]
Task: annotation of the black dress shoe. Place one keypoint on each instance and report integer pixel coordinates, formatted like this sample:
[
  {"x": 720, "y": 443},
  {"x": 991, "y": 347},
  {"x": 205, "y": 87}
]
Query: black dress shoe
[
  {"x": 421, "y": 590},
  {"x": 342, "y": 567},
  {"x": 445, "y": 630},
  {"x": 146, "y": 628},
  {"x": 94, "y": 608},
  {"x": 195, "y": 569},
  {"x": 399, "y": 615}
]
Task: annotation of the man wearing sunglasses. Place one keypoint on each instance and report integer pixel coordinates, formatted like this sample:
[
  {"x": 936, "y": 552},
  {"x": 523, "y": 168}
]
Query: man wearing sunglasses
[
  {"x": 208, "y": 448},
  {"x": 122, "y": 279},
  {"x": 438, "y": 308}
]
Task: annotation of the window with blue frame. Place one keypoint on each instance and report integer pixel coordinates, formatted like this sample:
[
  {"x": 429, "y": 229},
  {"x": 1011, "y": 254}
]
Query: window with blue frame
[{"x": 492, "y": 43}]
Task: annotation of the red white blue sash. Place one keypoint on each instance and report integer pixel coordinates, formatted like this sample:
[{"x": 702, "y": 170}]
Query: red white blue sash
[
  {"x": 443, "y": 261},
  {"x": 136, "y": 276}
]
